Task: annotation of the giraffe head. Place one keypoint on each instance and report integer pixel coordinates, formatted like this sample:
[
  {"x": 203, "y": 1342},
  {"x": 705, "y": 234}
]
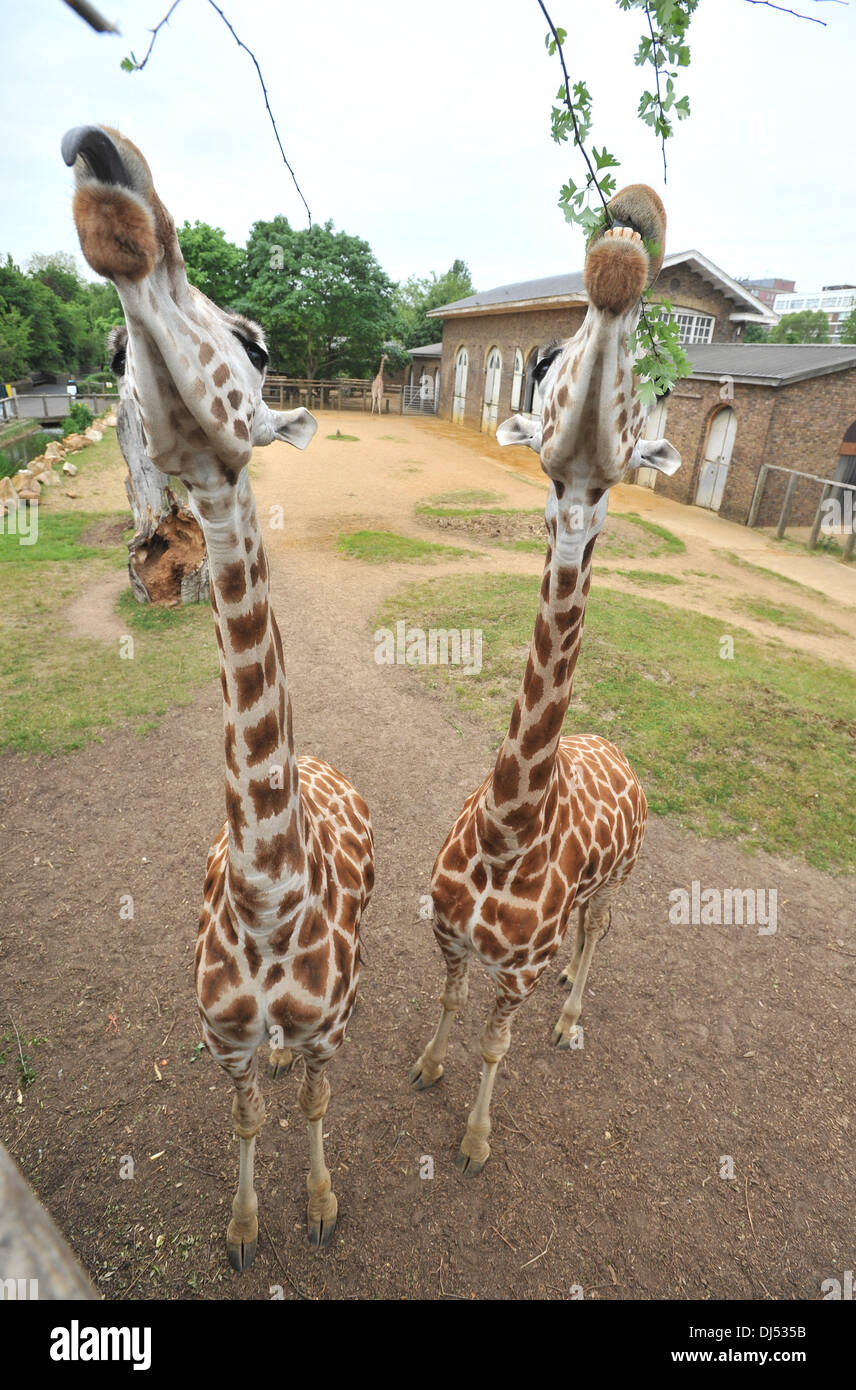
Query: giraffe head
[
  {"x": 194, "y": 370},
  {"x": 592, "y": 418}
]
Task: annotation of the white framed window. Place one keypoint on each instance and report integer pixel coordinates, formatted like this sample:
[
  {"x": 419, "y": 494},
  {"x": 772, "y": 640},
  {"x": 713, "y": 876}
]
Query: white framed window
[
  {"x": 693, "y": 327},
  {"x": 517, "y": 379}
]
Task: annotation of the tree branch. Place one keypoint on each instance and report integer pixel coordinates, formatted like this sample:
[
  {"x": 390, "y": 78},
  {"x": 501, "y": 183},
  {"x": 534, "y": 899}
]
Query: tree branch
[
  {"x": 93, "y": 18},
  {"x": 570, "y": 106},
  {"x": 657, "y": 77}
]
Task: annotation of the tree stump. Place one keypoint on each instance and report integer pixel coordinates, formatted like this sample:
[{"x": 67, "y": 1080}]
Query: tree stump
[{"x": 167, "y": 561}]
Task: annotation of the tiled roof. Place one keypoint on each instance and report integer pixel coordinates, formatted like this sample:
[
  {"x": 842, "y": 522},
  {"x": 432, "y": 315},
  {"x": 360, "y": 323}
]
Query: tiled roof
[{"x": 769, "y": 364}]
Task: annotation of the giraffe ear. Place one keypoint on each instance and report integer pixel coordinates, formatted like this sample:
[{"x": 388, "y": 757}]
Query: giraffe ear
[
  {"x": 291, "y": 426},
  {"x": 655, "y": 453},
  {"x": 295, "y": 426},
  {"x": 520, "y": 431}
]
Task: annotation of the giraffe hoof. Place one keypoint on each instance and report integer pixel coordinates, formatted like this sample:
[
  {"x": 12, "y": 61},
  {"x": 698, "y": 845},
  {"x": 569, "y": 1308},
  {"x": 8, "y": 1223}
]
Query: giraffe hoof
[
  {"x": 241, "y": 1254},
  {"x": 320, "y": 1230},
  {"x": 469, "y": 1167},
  {"x": 280, "y": 1064},
  {"x": 566, "y": 979},
  {"x": 423, "y": 1075},
  {"x": 564, "y": 1041}
]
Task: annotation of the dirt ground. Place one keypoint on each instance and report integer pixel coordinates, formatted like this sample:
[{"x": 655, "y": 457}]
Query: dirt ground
[{"x": 609, "y": 1167}]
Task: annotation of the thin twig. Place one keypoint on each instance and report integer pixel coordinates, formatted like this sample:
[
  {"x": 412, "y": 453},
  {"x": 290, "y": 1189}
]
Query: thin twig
[
  {"x": 654, "y": 43},
  {"x": 748, "y": 1212},
  {"x": 543, "y": 1252},
  {"x": 769, "y": 3},
  {"x": 310, "y": 1297},
  {"x": 592, "y": 179},
  {"x": 139, "y": 67},
  {"x": 267, "y": 104},
  {"x": 154, "y": 33}
]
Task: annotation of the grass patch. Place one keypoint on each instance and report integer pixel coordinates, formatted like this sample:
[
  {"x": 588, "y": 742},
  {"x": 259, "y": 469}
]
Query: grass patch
[
  {"x": 426, "y": 509},
  {"x": 758, "y": 748},
  {"x": 786, "y": 615},
  {"x": 378, "y": 547},
  {"x": 650, "y": 577},
  {"x": 528, "y": 547},
  {"x": 765, "y": 573},
  {"x": 670, "y": 544},
  {"x": 345, "y": 438},
  {"x": 58, "y": 691},
  {"x": 474, "y": 496}
]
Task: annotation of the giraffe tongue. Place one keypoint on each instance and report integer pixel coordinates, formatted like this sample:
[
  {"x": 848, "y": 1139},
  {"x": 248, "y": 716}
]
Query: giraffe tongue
[{"x": 94, "y": 146}]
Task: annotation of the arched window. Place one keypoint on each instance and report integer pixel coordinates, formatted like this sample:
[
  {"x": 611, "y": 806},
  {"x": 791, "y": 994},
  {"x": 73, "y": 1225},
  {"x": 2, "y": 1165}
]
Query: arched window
[
  {"x": 459, "y": 399},
  {"x": 517, "y": 380},
  {"x": 492, "y": 379}
]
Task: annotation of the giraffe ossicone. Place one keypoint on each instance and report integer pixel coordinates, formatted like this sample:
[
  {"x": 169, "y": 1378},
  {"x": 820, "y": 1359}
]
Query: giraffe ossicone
[
  {"x": 559, "y": 822},
  {"x": 292, "y": 871}
]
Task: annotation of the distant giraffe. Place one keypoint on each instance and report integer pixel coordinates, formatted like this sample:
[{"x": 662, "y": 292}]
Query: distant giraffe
[
  {"x": 377, "y": 388},
  {"x": 559, "y": 822},
  {"x": 291, "y": 873}
]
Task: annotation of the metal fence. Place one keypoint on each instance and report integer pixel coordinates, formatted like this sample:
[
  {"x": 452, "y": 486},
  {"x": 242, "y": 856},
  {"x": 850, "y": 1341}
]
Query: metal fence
[
  {"x": 827, "y": 505},
  {"x": 415, "y": 401},
  {"x": 51, "y": 407}
]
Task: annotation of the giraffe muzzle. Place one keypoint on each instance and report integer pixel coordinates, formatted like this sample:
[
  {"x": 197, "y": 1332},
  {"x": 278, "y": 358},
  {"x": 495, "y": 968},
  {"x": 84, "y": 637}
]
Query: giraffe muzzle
[{"x": 99, "y": 155}]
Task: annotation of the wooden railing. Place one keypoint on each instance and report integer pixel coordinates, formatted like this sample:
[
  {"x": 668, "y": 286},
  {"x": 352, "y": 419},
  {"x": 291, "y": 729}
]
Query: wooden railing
[
  {"x": 355, "y": 393},
  {"x": 829, "y": 487}
]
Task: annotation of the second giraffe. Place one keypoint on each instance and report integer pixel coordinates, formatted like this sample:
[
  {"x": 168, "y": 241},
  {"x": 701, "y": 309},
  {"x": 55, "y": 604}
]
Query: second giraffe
[{"x": 559, "y": 822}]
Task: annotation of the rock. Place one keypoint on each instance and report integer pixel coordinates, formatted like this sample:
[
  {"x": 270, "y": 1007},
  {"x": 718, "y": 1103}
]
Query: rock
[
  {"x": 29, "y": 494},
  {"x": 22, "y": 479},
  {"x": 72, "y": 494},
  {"x": 54, "y": 451},
  {"x": 69, "y": 469},
  {"x": 76, "y": 441},
  {"x": 8, "y": 495},
  {"x": 109, "y": 419},
  {"x": 94, "y": 435},
  {"x": 47, "y": 477}
]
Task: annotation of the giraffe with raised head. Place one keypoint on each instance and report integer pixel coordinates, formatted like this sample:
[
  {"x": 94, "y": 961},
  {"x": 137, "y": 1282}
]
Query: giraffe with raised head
[
  {"x": 277, "y": 955},
  {"x": 377, "y": 388},
  {"x": 559, "y": 822}
]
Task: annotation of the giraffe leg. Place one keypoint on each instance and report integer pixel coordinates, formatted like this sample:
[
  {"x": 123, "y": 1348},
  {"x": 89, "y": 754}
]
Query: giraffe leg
[
  {"x": 597, "y": 920},
  {"x": 494, "y": 1042},
  {"x": 321, "y": 1212},
  {"x": 280, "y": 1062},
  {"x": 569, "y": 974},
  {"x": 429, "y": 1067},
  {"x": 248, "y": 1113}
]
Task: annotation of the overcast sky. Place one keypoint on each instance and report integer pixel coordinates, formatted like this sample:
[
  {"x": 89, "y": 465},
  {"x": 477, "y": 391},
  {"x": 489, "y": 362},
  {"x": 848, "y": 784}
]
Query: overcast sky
[{"x": 424, "y": 128}]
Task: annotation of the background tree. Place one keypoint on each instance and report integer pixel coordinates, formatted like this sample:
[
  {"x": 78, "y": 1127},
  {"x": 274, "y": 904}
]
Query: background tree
[
  {"x": 214, "y": 265},
  {"x": 754, "y": 333},
  {"x": 416, "y": 296},
  {"x": 324, "y": 301},
  {"x": 809, "y": 326},
  {"x": 848, "y": 331}
]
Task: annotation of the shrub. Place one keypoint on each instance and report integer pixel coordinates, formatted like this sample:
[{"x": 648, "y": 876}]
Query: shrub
[{"x": 78, "y": 419}]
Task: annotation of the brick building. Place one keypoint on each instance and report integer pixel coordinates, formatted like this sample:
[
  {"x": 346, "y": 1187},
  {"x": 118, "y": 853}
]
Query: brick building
[
  {"x": 784, "y": 405},
  {"x": 491, "y": 340},
  {"x": 766, "y": 290}
]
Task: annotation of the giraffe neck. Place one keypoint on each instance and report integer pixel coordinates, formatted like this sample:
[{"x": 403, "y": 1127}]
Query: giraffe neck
[
  {"x": 513, "y": 806},
  {"x": 267, "y": 854}
]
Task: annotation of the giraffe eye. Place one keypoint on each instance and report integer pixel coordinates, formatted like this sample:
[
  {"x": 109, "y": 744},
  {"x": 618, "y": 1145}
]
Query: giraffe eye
[
  {"x": 255, "y": 352},
  {"x": 117, "y": 362},
  {"x": 543, "y": 365}
]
